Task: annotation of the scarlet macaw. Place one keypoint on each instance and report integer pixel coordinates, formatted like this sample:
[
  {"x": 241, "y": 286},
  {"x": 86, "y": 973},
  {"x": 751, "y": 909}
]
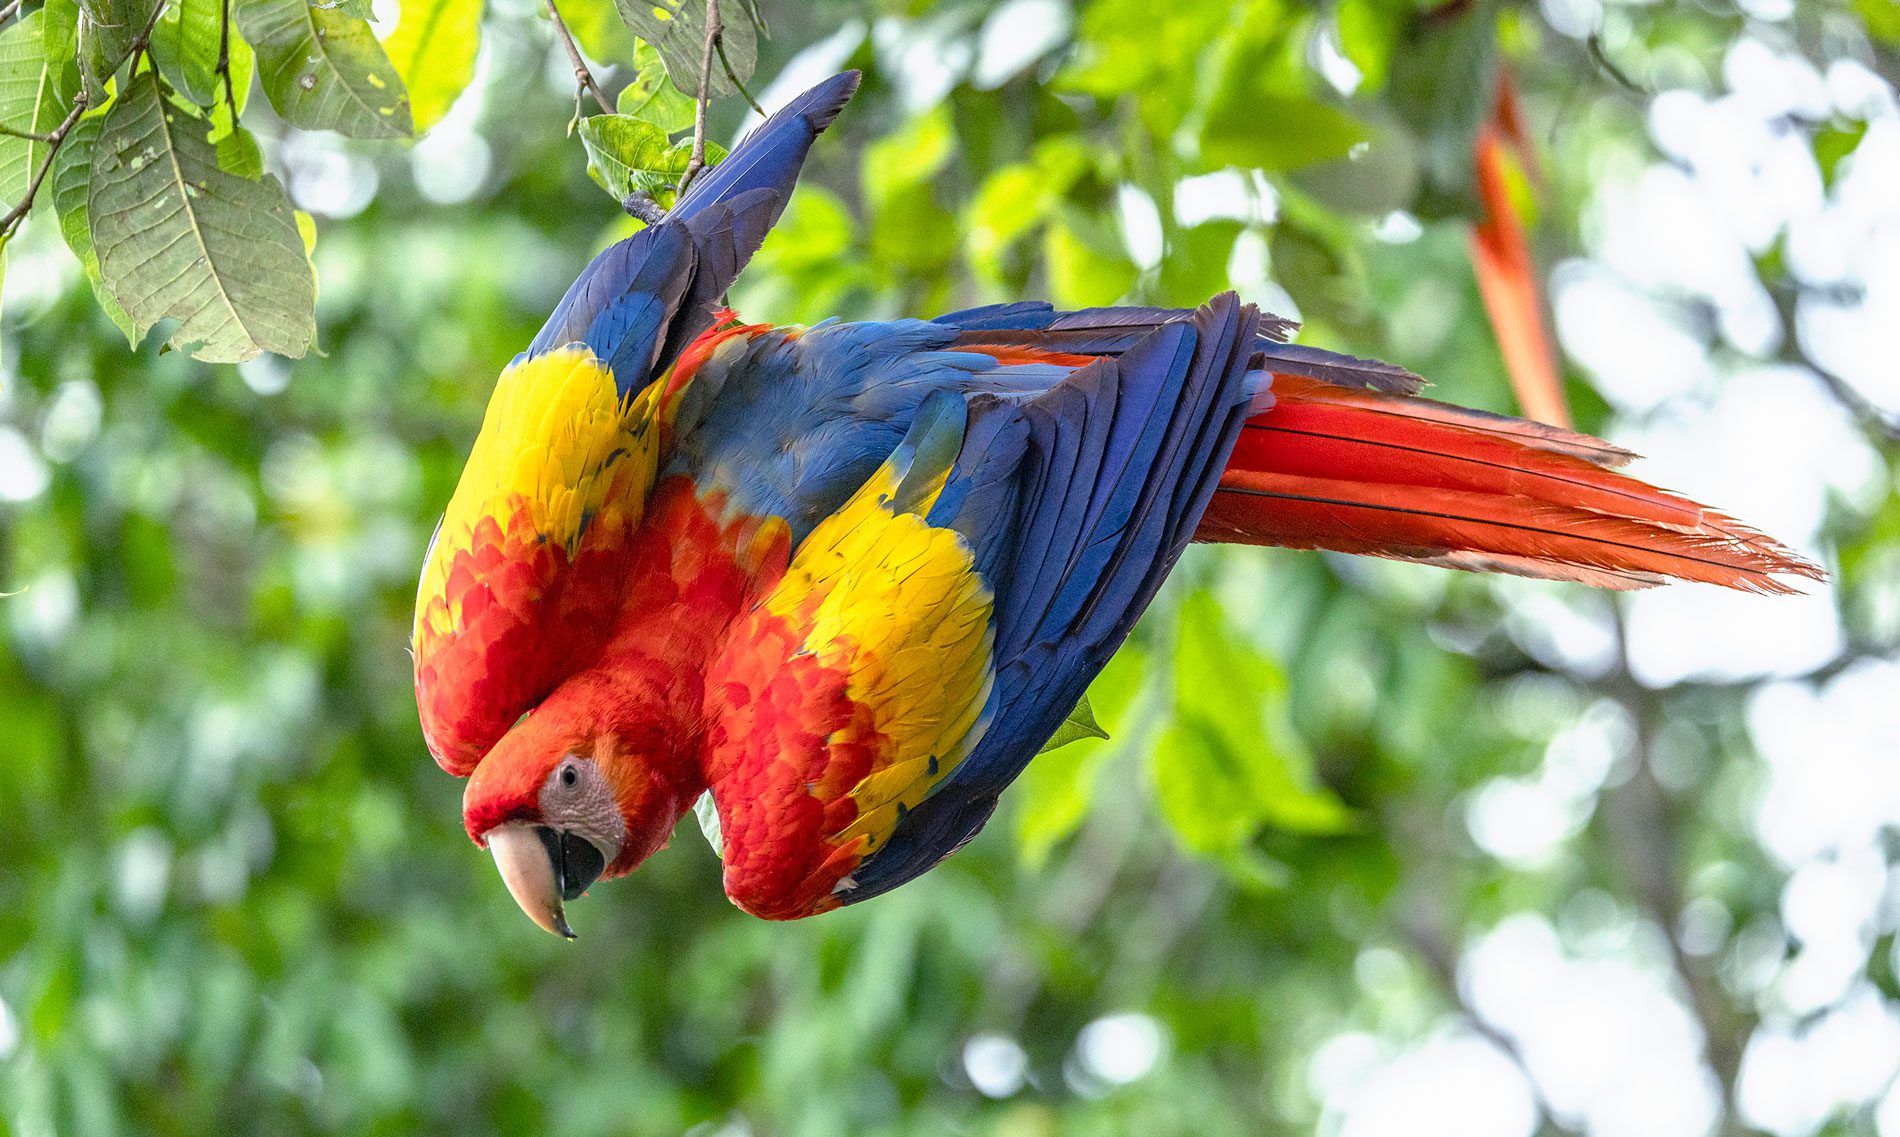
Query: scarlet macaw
[{"x": 850, "y": 578}]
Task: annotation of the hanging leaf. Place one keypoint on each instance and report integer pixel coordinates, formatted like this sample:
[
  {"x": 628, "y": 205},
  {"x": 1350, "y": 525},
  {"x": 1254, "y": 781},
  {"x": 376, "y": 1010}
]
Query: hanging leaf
[
  {"x": 677, "y": 29},
  {"x": 651, "y": 97},
  {"x": 324, "y": 70},
  {"x": 71, "y": 178},
  {"x": 108, "y": 29},
  {"x": 180, "y": 238},
  {"x": 35, "y": 94},
  {"x": 185, "y": 43},
  {"x": 434, "y": 49},
  {"x": 628, "y": 155}
]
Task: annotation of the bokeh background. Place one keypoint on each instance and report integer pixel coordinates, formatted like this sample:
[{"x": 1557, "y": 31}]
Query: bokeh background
[{"x": 1373, "y": 849}]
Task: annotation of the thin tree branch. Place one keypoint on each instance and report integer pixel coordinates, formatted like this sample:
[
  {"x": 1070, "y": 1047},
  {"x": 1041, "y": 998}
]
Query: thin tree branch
[
  {"x": 583, "y": 78},
  {"x": 698, "y": 160},
  {"x": 30, "y": 136},
  {"x": 11, "y": 221},
  {"x": 10, "y": 11},
  {"x": 224, "y": 60}
]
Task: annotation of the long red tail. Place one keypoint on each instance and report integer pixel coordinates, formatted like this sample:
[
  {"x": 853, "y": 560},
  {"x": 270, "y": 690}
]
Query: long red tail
[{"x": 1357, "y": 471}]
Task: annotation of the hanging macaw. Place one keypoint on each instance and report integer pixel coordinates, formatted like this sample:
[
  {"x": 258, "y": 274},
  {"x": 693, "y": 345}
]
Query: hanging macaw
[{"x": 850, "y": 578}]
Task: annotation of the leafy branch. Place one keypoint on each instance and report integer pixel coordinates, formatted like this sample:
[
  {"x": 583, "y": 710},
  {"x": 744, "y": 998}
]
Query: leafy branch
[{"x": 53, "y": 139}]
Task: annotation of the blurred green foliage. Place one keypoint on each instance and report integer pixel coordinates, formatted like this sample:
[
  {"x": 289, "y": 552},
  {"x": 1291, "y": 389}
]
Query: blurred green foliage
[{"x": 235, "y": 894}]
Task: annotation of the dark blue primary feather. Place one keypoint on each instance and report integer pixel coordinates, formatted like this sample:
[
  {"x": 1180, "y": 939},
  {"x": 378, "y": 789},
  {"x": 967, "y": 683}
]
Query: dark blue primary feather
[
  {"x": 639, "y": 304},
  {"x": 1077, "y": 502},
  {"x": 1091, "y": 331}
]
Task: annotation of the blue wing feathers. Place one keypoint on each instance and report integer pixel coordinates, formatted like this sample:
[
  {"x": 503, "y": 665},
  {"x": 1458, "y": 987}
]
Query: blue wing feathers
[{"x": 1096, "y": 487}]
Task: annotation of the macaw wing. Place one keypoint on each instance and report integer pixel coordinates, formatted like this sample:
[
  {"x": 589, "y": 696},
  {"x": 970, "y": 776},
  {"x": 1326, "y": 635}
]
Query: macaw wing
[
  {"x": 1077, "y": 505},
  {"x": 860, "y": 680},
  {"x": 841, "y": 772},
  {"x": 1036, "y": 326},
  {"x": 519, "y": 575}
]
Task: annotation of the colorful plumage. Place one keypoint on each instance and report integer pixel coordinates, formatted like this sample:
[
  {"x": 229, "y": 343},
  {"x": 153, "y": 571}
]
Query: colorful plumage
[{"x": 850, "y": 578}]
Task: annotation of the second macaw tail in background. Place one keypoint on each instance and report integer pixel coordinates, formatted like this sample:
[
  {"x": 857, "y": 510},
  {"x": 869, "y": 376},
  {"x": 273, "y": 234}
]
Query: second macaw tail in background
[
  {"x": 1355, "y": 471},
  {"x": 1507, "y": 277}
]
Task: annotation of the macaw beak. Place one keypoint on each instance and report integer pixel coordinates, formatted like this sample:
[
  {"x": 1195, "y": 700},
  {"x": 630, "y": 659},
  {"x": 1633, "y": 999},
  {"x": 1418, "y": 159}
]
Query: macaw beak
[{"x": 543, "y": 868}]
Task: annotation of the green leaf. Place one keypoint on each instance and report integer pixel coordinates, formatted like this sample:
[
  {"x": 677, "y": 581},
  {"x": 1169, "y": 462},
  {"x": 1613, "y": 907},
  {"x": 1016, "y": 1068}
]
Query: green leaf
[
  {"x": 324, "y": 70},
  {"x": 910, "y": 156},
  {"x": 651, "y": 97},
  {"x": 1086, "y": 266},
  {"x": 1882, "y": 18},
  {"x": 71, "y": 180},
  {"x": 1271, "y": 131},
  {"x": 596, "y": 25},
  {"x": 108, "y": 29},
  {"x": 1231, "y": 762},
  {"x": 185, "y": 43},
  {"x": 35, "y": 94},
  {"x": 1368, "y": 34},
  {"x": 1834, "y": 143},
  {"x": 677, "y": 30},
  {"x": 433, "y": 49},
  {"x": 1079, "y": 725},
  {"x": 180, "y": 238},
  {"x": 1441, "y": 86},
  {"x": 627, "y": 155}
]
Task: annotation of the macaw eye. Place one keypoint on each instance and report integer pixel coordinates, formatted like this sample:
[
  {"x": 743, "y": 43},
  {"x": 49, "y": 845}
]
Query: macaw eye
[{"x": 569, "y": 775}]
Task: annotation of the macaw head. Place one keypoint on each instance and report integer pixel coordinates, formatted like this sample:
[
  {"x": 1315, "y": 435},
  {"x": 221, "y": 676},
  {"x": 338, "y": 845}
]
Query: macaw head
[{"x": 572, "y": 795}]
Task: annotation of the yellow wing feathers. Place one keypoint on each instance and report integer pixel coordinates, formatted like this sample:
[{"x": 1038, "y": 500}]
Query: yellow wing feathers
[
  {"x": 897, "y": 606},
  {"x": 559, "y": 452}
]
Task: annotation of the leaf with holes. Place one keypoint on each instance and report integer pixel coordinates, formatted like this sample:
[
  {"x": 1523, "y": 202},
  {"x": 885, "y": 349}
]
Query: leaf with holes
[
  {"x": 324, "y": 70},
  {"x": 35, "y": 94},
  {"x": 434, "y": 48},
  {"x": 677, "y": 29},
  {"x": 180, "y": 238}
]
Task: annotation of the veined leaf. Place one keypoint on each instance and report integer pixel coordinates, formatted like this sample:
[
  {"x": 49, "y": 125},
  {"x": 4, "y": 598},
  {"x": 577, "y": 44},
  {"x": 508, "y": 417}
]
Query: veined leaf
[
  {"x": 1079, "y": 725},
  {"x": 434, "y": 49},
  {"x": 35, "y": 93},
  {"x": 185, "y": 43},
  {"x": 627, "y": 155},
  {"x": 107, "y": 32},
  {"x": 677, "y": 29},
  {"x": 180, "y": 238},
  {"x": 324, "y": 70},
  {"x": 651, "y": 97},
  {"x": 71, "y": 178}
]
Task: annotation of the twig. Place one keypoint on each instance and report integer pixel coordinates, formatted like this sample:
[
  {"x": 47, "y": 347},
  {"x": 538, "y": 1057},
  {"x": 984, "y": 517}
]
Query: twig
[
  {"x": 224, "y": 61},
  {"x": 10, "y": 132},
  {"x": 54, "y": 139},
  {"x": 726, "y": 65},
  {"x": 11, "y": 221},
  {"x": 698, "y": 161},
  {"x": 11, "y": 10},
  {"x": 583, "y": 78}
]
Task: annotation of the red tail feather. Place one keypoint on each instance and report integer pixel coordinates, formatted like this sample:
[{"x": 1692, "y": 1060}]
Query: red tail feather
[{"x": 1355, "y": 471}]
